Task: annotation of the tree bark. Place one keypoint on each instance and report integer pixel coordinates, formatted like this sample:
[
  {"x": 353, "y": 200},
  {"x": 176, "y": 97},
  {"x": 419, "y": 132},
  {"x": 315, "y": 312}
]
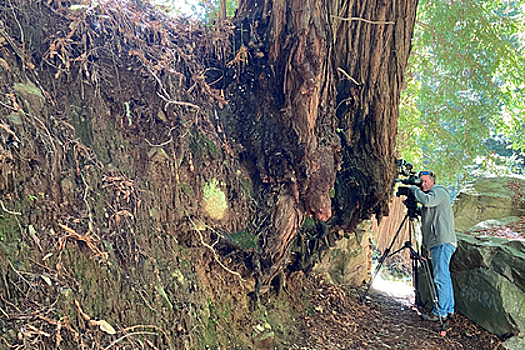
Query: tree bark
[
  {"x": 223, "y": 9},
  {"x": 376, "y": 37},
  {"x": 321, "y": 89}
]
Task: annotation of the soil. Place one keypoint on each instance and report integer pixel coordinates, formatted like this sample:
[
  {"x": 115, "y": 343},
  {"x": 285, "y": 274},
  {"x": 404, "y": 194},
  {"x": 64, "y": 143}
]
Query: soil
[{"x": 338, "y": 320}]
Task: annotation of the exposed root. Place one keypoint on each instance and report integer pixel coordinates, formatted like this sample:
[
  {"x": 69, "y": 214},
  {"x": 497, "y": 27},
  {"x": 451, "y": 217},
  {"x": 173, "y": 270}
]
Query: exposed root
[
  {"x": 198, "y": 229},
  {"x": 9, "y": 211}
]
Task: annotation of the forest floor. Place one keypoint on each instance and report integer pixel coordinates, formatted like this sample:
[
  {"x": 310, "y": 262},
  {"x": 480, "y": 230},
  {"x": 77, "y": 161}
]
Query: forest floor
[{"x": 338, "y": 320}]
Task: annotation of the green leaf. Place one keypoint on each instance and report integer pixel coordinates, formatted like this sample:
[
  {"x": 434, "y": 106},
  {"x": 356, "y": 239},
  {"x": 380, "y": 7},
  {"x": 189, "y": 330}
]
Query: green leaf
[{"x": 465, "y": 87}]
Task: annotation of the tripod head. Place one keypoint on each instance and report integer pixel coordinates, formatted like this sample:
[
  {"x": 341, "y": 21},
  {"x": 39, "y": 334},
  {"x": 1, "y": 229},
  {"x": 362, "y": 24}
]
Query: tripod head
[
  {"x": 410, "y": 202},
  {"x": 413, "y": 209}
]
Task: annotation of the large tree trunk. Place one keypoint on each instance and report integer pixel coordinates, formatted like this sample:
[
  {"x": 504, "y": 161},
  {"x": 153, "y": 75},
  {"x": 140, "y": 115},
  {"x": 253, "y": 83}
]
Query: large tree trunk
[
  {"x": 373, "y": 42},
  {"x": 320, "y": 74}
]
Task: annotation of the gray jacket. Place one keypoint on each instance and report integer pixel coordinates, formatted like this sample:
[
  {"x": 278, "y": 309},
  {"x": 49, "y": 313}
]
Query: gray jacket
[{"x": 437, "y": 218}]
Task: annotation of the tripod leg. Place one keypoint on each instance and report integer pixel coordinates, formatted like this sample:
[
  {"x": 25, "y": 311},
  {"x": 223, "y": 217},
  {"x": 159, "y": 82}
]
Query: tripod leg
[
  {"x": 382, "y": 260},
  {"x": 376, "y": 272},
  {"x": 433, "y": 293},
  {"x": 428, "y": 277}
]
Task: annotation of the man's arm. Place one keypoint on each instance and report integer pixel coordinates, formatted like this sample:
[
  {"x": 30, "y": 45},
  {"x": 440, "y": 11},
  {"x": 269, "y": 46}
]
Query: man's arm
[{"x": 431, "y": 199}]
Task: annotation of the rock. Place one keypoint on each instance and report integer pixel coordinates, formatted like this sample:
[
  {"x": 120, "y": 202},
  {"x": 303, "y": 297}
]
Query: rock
[
  {"x": 162, "y": 116},
  {"x": 68, "y": 188},
  {"x": 32, "y": 96},
  {"x": 514, "y": 343},
  {"x": 264, "y": 340},
  {"x": 11, "y": 334},
  {"x": 15, "y": 119},
  {"x": 348, "y": 261},
  {"x": 487, "y": 199},
  {"x": 214, "y": 200},
  {"x": 493, "y": 223},
  {"x": 488, "y": 275}
]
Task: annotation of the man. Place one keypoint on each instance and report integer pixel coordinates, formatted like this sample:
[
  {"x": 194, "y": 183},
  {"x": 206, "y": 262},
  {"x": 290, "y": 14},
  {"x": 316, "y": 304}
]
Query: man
[{"x": 439, "y": 237}]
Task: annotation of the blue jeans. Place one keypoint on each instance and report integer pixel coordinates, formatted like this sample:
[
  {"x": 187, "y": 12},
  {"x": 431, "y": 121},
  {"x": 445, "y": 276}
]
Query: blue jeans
[{"x": 441, "y": 261}]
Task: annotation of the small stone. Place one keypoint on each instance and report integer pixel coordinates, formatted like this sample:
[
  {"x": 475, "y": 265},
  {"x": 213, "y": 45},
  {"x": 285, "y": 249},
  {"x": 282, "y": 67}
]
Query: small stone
[{"x": 15, "y": 119}]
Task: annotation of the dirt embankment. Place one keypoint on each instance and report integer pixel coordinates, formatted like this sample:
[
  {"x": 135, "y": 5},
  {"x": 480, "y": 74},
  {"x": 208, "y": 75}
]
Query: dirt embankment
[
  {"x": 116, "y": 183},
  {"x": 127, "y": 212}
]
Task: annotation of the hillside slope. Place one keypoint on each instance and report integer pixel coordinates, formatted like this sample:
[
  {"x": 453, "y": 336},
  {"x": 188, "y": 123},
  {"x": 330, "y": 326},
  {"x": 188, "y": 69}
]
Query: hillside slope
[{"x": 133, "y": 213}]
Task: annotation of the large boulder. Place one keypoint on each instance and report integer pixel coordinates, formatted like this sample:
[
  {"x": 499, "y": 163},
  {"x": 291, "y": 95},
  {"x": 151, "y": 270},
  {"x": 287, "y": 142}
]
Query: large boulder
[
  {"x": 489, "y": 199},
  {"x": 488, "y": 275},
  {"x": 348, "y": 262}
]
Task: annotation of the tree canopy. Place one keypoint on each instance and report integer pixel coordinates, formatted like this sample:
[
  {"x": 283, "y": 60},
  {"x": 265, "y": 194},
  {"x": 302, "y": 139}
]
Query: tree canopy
[{"x": 465, "y": 86}]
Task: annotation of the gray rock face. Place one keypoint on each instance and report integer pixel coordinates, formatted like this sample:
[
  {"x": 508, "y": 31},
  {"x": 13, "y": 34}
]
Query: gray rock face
[
  {"x": 486, "y": 199},
  {"x": 488, "y": 274},
  {"x": 514, "y": 343},
  {"x": 32, "y": 97},
  {"x": 349, "y": 261}
]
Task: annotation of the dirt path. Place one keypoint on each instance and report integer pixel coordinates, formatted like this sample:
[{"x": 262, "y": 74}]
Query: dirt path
[{"x": 339, "y": 321}]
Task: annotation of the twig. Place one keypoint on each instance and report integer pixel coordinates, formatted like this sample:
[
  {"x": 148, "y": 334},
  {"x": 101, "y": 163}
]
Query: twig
[
  {"x": 3, "y": 104},
  {"x": 12, "y": 44},
  {"x": 9, "y": 211},
  {"x": 216, "y": 258},
  {"x": 146, "y": 301},
  {"x": 20, "y": 275},
  {"x": 180, "y": 103},
  {"x": 9, "y": 345},
  {"x": 5, "y": 313},
  {"x": 19, "y": 25},
  {"x": 90, "y": 215},
  {"x": 54, "y": 149},
  {"x": 128, "y": 335},
  {"x": 9, "y": 131},
  {"x": 348, "y": 76},
  {"x": 159, "y": 145},
  {"x": 362, "y": 20},
  {"x": 149, "y": 326},
  {"x": 164, "y": 143}
]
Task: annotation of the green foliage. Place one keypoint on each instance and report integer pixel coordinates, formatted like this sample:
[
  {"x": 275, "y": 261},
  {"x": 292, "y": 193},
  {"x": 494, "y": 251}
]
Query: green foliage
[
  {"x": 212, "y": 9},
  {"x": 9, "y": 234},
  {"x": 309, "y": 223},
  {"x": 246, "y": 240},
  {"x": 200, "y": 143},
  {"x": 466, "y": 85},
  {"x": 207, "y": 10}
]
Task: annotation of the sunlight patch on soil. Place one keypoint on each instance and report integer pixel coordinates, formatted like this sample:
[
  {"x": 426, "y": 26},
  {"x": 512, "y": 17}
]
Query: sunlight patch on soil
[{"x": 400, "y": 290}]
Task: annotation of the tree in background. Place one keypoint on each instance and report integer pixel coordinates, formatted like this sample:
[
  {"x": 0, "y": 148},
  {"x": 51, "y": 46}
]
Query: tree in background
[{"x": 466, "y": 86}]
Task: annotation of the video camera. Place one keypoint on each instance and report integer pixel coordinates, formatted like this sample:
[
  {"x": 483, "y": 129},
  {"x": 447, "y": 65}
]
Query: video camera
[{"x": 405, "y": 169}]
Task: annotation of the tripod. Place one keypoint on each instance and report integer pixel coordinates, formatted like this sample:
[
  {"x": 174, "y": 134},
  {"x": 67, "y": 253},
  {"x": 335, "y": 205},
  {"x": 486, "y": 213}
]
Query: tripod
[{"x": 415, "y": 257}]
